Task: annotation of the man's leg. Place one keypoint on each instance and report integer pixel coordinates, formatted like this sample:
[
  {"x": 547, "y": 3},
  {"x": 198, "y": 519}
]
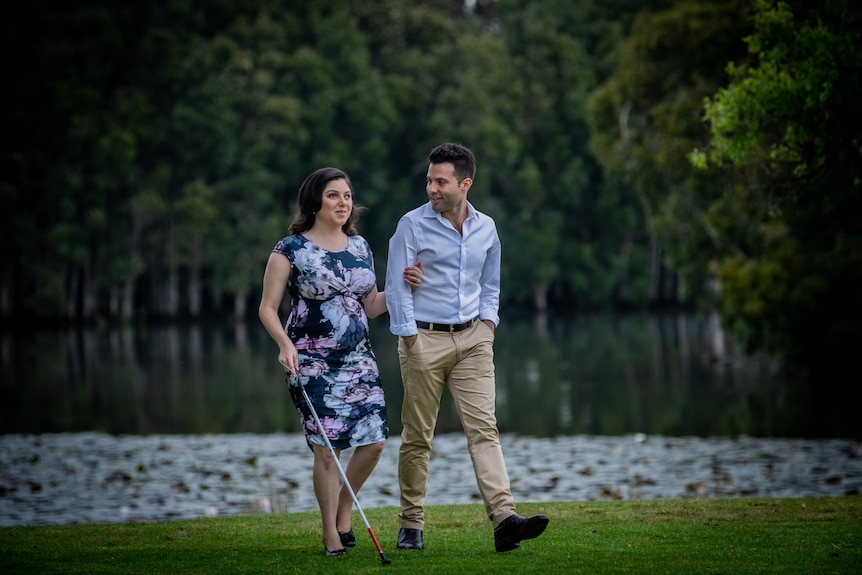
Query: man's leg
[
  {"x": 473, "y": 387},
  {"x": 423, "y": 370},
  {"x": 472, "y": 383}
]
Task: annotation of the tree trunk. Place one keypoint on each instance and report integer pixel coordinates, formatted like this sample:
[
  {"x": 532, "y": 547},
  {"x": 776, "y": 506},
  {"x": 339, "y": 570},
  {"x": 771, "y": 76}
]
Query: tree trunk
[
  {"x": 89, "y": 297},
  {"x": 655, "y": 273},
  {"x": 216, "y": 299},
  {"x": 127, "y": 299},
  {"x": 172, "y": 290},
  {"x": 240, "y": 305},
  {"x": 114, "y": 301},
  {"x": 195, "y": 288},
  {"x": 72, "y": 284},
  {"x": 540, "y": 297},
  {"x": 172, "y": 282},
  {"x": 6, "y": 296}
]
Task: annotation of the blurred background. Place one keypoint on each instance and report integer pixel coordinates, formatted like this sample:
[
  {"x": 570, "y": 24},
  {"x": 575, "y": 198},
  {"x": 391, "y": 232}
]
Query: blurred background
[
  {"x": 651, "y": 373},
  {"x": 676, "y": 185}
]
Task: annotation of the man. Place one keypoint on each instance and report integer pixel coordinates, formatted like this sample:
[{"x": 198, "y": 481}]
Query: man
[{"x": 446, "y": 338}]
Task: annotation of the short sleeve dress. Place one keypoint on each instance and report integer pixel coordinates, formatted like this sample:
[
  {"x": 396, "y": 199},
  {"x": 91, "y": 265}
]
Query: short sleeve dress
[{"x": 329, "y": 327}]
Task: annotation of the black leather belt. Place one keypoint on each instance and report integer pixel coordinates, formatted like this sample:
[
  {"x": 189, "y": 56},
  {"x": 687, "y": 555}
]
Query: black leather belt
[{"x": 450, "y": 327}]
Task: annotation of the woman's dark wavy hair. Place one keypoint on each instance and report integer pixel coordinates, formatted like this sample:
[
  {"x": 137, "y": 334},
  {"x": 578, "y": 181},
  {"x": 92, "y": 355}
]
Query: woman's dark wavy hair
[{"x": 310, "y": 198}]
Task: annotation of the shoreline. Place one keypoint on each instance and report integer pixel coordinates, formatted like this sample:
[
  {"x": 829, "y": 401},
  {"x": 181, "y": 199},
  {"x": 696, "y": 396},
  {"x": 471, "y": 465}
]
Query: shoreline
[{"x": 72, "y": 478}]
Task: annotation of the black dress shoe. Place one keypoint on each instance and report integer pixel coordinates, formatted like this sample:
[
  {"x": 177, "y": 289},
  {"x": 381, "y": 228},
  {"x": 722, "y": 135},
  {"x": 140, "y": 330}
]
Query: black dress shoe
[
  {"x": 336, "y": 553},
  {"x": 514, "y": 529},
  {"x": 348, "y": 539},
  {"x": 410, "y": 539}
]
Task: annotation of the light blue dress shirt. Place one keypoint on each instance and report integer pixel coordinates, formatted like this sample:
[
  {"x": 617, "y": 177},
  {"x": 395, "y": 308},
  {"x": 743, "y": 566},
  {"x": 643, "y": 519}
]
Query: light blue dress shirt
[{"x": 461, "y": 272}]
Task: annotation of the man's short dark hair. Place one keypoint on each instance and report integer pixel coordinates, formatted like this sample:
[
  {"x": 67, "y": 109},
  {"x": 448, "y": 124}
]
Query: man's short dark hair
[{"x": 459, "y": 156}]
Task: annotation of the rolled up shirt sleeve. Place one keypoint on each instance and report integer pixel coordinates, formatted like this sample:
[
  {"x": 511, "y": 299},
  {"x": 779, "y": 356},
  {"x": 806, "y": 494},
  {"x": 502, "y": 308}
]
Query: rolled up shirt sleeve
[
  {"x": 489, "y": 297},
  {"x": 399, "y": 297}
]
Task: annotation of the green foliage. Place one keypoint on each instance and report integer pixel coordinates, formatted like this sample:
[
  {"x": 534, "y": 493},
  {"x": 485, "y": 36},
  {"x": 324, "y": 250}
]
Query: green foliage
[
  {"x": 579, "y": 238},
  {"x": 646, "y": 118},
  {"x": 786, "y": 125},
  {"x": 158, "y": 146},
  {"x": 150, "y": 153}
]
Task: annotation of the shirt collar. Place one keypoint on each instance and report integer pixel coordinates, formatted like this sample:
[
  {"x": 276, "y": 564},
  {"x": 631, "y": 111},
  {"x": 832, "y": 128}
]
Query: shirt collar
[{"x": 428, "y": 212}]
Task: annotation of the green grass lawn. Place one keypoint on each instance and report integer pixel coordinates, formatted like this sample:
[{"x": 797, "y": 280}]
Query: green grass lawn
[{"x": 688, "y": 537}]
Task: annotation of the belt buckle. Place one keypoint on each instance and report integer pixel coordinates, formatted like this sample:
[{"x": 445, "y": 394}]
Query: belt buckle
[{"x": 451, "y": 328}]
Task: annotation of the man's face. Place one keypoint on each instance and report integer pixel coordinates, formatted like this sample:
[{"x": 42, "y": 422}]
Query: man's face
[{"x": 443, "y": 189}]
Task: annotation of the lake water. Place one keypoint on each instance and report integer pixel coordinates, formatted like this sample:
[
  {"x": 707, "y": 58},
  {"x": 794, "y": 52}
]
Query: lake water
[
  {"x": 167, "y": 421},
  {"x": 565, "y": 374}
]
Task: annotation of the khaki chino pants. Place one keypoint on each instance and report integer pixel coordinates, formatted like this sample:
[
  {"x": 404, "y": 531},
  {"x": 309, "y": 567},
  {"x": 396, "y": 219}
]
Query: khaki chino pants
[{"x": 465, "y": 361}]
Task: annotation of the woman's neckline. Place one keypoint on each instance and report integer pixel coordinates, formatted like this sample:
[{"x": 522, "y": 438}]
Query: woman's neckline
[{"x": 324, "y": 248}]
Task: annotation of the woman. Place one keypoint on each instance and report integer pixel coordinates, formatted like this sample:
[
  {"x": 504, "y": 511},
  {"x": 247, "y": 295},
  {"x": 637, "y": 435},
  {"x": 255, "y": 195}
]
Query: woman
[{"x": 328, "y": 270}]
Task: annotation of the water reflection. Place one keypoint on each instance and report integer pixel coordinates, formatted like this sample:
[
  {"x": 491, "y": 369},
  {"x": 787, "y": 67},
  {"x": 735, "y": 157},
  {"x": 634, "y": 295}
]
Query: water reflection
[
  {"x": 608, "y": 376},
  {"x": 570, "y": 374}
]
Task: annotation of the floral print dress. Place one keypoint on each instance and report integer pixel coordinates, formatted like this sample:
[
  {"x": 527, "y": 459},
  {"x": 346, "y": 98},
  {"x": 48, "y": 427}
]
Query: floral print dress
[{"x": 328, "y": 326}]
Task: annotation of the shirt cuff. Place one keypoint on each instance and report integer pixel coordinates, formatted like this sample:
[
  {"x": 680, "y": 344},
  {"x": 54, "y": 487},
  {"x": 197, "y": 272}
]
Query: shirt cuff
[
  {"x": 404, "y": 329},
  {"x": 495, "y": 319}
]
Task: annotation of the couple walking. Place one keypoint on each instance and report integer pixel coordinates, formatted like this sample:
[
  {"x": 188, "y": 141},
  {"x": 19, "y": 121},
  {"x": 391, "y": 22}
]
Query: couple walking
[{"x": 442, "y": 295}]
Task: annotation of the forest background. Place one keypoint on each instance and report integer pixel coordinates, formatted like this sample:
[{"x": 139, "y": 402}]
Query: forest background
[{"x": 634, "y": 153}]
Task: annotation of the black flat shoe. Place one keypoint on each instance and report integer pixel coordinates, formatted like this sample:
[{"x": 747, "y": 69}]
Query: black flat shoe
[
  {"x": 514, "y": 529},
  {"x": 410, "y": 539},
  {"x": 348, "y": 539},
  {"x": 336, "y": 553}
]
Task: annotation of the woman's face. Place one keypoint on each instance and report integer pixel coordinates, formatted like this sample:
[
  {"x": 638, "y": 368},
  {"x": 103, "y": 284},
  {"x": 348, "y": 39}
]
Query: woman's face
[{"x": 336, "y": 203}]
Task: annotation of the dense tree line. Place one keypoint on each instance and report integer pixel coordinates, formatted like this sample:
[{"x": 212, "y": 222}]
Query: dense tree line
[
  {"x": 151, "y": 151},
  {"x": 759, "y": 215}
]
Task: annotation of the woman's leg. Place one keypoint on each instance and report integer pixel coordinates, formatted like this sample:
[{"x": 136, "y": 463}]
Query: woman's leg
[
  {"x": 326, "y": 484},
  {"x": 359, "y": 468}
]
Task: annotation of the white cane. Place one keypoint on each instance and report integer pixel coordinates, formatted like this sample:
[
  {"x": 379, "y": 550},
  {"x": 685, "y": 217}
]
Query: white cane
[{"x": 343, "y": 475}]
